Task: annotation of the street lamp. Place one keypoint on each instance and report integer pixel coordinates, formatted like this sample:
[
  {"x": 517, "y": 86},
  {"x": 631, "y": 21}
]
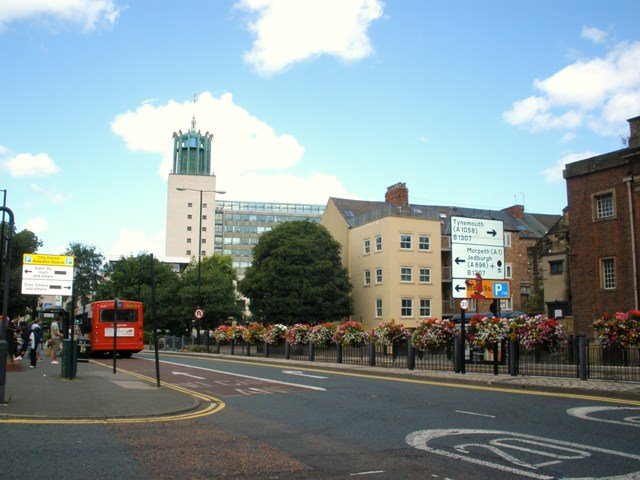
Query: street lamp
[{"x": 220, "y": 192}]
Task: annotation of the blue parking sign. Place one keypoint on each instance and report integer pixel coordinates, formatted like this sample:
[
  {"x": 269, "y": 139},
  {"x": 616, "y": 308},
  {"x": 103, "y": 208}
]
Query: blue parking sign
[{"x": 501, "y": 290}]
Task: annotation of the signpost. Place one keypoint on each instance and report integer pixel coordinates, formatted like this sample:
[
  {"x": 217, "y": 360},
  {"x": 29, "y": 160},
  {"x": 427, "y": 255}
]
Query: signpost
[{"x": 47, "y": 274}]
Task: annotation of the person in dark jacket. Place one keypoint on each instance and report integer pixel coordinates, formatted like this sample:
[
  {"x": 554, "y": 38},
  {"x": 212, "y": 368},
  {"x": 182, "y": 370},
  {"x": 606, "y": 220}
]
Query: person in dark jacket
[{"x": 34, "y": 341}]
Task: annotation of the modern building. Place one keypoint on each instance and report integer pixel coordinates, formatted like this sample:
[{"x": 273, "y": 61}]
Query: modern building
[
  {"x": 239, "y": 224},
  {"x": 191, "y": 196},
  {"x": 603, "y": 195},
  {"x": 398, "y": 255}
]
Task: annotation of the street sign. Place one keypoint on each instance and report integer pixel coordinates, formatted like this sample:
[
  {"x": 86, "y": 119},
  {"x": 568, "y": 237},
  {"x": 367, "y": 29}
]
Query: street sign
[
  {"x": 199, "y": 313},
  {"x": 477, "y": 231},
  {"x": 481, "y": 289},
  {"x": 464, "y": 304},
  {"x": 469, "y": 260},
  {"x": 44, "y": 274}
]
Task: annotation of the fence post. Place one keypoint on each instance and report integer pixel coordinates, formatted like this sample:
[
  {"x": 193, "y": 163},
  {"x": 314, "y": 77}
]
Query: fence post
[
  {"x": 458, "y": 355},
  {"x": 338, "y": 353},
  {"x": 372, "y": 354},
  {"x": 287, "y": 350},
  {"x": 248, "y": 352},
  {"x": 217, "y": 346},
  {"x": 495, "y": 358},
  {"x": 233, "y": 347},
  {"x": 411, "y": 356},
  {"x": 266, "y": 349},
  {"x": 312, "y": 353},
  {"x": 582, "y": 357},
  {"x": 513, "y": 357}
]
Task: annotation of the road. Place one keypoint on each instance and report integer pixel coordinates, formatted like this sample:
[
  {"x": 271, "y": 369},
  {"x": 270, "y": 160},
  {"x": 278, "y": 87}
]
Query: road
[{"x": 300, "y": 423}]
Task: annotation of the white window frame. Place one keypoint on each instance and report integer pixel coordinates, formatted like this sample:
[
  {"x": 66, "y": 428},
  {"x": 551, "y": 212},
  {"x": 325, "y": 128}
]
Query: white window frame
[
  {"x": 421, "y": 271},
  {"x": 406, "y": 274},
  {"x": 406, "y": 241},
  {"x": 367, "y": 277},
  {"x": 507, "y": 239},
  {"x": 406, "y": 305},
  {"x": 425, "y": 311},
  {"x": 508, "y": 270},
  {"x": 422, "y": 243},
  {"x": 378, "y": 240},
  {"x": 604, "y": 205},
  {"x": 506, "y": 304},
  {"x": 379, "y": 275},
  {"x": 378, "y": 308},
  {"x": 367, "y": 246},
  {"x": 608, "y": 273}
]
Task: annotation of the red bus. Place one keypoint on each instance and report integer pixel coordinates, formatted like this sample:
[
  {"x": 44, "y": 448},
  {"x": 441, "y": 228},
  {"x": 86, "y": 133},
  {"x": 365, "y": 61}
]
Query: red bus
[{"x": 95, "y": 335}]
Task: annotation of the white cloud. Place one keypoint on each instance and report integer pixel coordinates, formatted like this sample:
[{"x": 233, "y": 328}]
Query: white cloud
[
  {"x": 88, "y": 14},
  {"x": 554, "y": 174},
  {"x": 568, "y": 137},
  {"x": 3, "y": 150},
  {"x": 248, "y": 157},
  {"x": 29, "y": 165},
  {"x": 599, "y": 93},
  {"x": 37, "y": 225},
  {"x": 292, "y": 31},
  {"x": 47, "y": 195},
  {"x": 133, "y": 242},
  {"x": 594, "y": 34}
]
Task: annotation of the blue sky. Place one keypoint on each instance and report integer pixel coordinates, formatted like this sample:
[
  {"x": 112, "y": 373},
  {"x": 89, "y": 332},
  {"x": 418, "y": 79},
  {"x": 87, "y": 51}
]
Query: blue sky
[{"x": 472, "y": 103}]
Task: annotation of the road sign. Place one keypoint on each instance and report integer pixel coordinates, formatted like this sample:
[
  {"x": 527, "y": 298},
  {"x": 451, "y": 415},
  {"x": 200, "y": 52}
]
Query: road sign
[
  {"x": 464, "y": 304},
  {"x": 477, "y": 231},
  {"x": 481, "y": 289},
  {"x": 44, "y": 274},
  {"x": 199, "y": 313},
  {"x": 469, "y": 260}
]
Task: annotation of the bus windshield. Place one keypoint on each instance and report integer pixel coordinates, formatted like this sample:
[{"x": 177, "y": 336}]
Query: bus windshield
[{"x": 124, "y": 315}]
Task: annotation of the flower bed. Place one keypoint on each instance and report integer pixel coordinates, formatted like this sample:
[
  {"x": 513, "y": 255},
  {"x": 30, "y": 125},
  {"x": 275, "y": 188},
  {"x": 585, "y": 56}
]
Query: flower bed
[
  {"x": 486, "y": 332},
  {"x": 275, "y": 334},
  {"x": 619, "y": 329},
  {"x": 538, "y": 333},
  {"x": 322, "y": 335},
  {"x": 349, "y": 333},
  {"x": 253, "y": 333},
  {"x": 222, "y": 334},
  {"x": 388, "y": 333},
  {"x": 299, "y": 334},
  {"x": 433, "y": 334}
]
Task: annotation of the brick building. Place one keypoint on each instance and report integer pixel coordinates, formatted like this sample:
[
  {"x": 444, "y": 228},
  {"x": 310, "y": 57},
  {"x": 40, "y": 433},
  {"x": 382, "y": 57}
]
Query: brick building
[{"x": 603, "y": 195}]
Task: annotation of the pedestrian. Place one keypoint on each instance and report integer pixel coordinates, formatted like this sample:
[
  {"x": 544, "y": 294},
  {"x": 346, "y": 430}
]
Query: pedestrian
[
  {"x": 35, "y": 337},
  {"x": 56, "y": 340},
  {"x": 12, "y": 331},
  {"x": 24, "y": 336}
]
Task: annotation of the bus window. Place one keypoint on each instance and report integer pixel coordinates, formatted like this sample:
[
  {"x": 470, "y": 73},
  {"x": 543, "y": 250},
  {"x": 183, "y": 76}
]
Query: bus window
[{"x": 124, "y": 315}]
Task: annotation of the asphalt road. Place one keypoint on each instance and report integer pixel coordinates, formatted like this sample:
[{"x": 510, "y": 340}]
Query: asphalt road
[{"x": 293, "y": 423}]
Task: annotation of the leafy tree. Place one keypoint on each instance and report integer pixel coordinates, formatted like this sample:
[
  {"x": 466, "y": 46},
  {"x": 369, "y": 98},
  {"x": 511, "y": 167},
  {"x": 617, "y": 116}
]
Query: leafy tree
[
  {"x": 215, "y": 294},
  {"x": 130, "y": 279},
  {"x": 22, "y": 242},
  {"x": 297, "y": 276},
  {"x": 87, "y": 270}
]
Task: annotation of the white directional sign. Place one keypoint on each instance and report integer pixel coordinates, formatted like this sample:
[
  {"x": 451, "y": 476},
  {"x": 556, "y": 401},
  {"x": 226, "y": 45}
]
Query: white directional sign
[
  {"x": 47, "y": 274},
  {"x": 477, "y": 231},
  {"x": 469, "y": 260}
]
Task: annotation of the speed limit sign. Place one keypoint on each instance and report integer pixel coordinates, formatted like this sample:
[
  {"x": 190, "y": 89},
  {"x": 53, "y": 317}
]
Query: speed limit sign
[
  {"x": 464, "y": 304},
  {"x": 199, "y": 313}
]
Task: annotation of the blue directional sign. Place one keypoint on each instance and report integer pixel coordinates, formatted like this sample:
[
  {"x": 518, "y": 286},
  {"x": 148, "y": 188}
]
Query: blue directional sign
[{"x": 501, "y": 289}]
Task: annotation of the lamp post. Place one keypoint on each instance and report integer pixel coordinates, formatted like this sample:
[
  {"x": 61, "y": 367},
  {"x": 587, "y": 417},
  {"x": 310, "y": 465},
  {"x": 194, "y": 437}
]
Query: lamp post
[{"x": 220, "y": 192}]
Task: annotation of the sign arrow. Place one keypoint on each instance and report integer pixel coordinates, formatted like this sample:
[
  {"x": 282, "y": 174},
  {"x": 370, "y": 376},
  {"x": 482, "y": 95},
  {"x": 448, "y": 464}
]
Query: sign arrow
[
  {"x": 460, "y": 288},
  {"x": 188, "y": 375},
  {"x": 492, "y": 233},
  {"x": 301, "y": 374},
  {"x": 459, "y": 260}
]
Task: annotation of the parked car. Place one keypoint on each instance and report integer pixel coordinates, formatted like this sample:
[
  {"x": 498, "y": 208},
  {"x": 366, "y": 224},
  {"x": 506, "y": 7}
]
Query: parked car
[{"x": 503, "y": 314}]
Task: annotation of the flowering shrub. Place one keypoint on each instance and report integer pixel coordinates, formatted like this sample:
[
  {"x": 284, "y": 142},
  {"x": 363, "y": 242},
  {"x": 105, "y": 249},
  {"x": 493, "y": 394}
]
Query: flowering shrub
[
  {"x": 538, "y": 332},
  {"x": 388, "y": 333},
  {"x": 253, "y": 333},
  {"x": 618, "y": 330},
  {"x": 349, "y": 333},
  {"x": 221, "y": 334},
  {"x": 433, "y": 334},
  {"x": 299, "y": 334},
  {"x": 322, "y": 334},
  {"x": 275, "y": 334},
  {"x": 486, "y": 332}
]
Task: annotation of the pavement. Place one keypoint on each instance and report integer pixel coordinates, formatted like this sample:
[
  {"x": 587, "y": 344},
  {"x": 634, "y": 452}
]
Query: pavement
[{"x": 96, "y": 393}]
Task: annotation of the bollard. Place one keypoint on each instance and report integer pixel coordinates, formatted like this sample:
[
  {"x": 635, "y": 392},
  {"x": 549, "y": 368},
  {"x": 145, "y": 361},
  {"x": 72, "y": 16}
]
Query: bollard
[
  {"x": 513, "y": 357},
  {"x": 266, "y": 349},
  {"x": 312, "y": 353},
  {"x": 233, "y": 347},
  {"x": 287, "y": 350}
]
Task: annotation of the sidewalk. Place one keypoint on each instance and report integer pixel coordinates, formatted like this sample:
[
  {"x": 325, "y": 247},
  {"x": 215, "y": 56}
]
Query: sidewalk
[{"x": 95, "y": 393}]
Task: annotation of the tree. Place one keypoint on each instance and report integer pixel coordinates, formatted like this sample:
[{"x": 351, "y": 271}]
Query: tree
[
  {"x": 296, "y": 276},
  {"x": 22, "y": 242},
  {"x": 129, "y": 278},
  {"x": 216, "y": 294},
  {"x": 87, "y": 271}
]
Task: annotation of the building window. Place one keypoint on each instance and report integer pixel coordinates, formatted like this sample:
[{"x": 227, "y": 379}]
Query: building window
[
  {"x": 204, "y": 205},
  {"x": 204, "y": 217},
  {"x": 204, "y": 229},
  {"x": 204, "y": 240},
  {"x": 405, "y": 241},
  {"x": 406, "y": 307},
  {"x": 188, "y": 229},
  {"x": 367, "y": 277},
  {"x": 378, "y": 308},
  {"x": 189, "y": 252},
  {"x": 367, "y": 246},
  {"x": 508, "y": 270},
  {"x": 507, "y": 239},
  {"x": 406, "y": 274},
  {"x": 378, "y": 243},
  {"x": 425, "y": 307},
  {"x": 506, "y": 304},
  {"x": 603, "y": 206},
  {"x": 556, "y": 267},
  {"x": 190, "y": 205},
  {"x": 424, "y": 243},
  {"x": 425, "y": 275},
  {"x": 189, "y": 217},
  {"x": 188, "y": 240},
  {"x": 608, "y": 273},
  {"x": 378, "y": 275}
]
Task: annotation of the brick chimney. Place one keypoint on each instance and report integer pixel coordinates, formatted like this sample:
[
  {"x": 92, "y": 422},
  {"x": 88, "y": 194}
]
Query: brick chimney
[
  {"x": 397, "y": 194},
  {"x": 634, "y": 136},
  {"x": 515, "y": 210}
]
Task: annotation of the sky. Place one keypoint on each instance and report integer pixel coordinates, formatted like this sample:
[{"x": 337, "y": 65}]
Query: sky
[{"x": 475, "y": 103}]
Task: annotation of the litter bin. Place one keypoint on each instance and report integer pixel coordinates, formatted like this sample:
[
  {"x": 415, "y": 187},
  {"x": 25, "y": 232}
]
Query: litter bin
[{"x": 69, "y": 358}]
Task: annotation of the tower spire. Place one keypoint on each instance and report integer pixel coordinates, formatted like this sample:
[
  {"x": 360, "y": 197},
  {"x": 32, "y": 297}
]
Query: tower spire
[{"x": 193, "y": 119}]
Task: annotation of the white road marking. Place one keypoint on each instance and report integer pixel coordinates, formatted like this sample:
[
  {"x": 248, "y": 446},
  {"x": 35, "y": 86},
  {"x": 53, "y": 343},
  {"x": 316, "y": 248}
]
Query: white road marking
[
  {"x": 188, "y": 375},
  {"x": 372, "y": 472},
  {"x": 584, "y": 414},
  {"x": 268, "y": 380},
  {"x": 476, "y": 414},
  {"x": 301, "y": 374}
]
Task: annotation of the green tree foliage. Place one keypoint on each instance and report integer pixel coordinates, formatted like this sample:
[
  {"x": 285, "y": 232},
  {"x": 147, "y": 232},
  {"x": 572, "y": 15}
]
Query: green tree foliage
[
  {"x": 129, "y": 278},
  {"x": 216, "y": 293},
  {"x": 87, "y": 271},
  {"x": 297, "y": 276},
  {"x": 22, "y": 242}
]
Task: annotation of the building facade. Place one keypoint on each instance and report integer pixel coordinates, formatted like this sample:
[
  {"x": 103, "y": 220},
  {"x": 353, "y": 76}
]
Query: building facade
[
  {"x": 399, "y": 255},
  {"x": 603, "y": 195}
]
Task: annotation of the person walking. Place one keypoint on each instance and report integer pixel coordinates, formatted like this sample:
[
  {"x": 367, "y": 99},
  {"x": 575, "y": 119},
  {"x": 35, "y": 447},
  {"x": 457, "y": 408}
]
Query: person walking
[
  {"x": 56, "y": 340},
  {"x": 24, "y": 336},
  {"x": 35, "y": 337},
  {"x": 12, "y": 332}
]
